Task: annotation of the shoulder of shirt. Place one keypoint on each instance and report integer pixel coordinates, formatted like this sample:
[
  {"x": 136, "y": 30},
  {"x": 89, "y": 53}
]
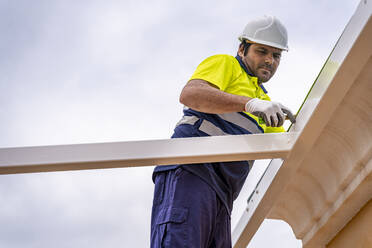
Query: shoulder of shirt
[
  {"x": 226, "y": 59},
  {"x": 238, "y": 69},
  {"x": 222, "y": 56}
]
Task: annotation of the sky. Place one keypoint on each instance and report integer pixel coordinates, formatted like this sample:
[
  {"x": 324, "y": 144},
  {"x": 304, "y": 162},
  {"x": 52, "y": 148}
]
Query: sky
[{"x": 104, "y": 71}]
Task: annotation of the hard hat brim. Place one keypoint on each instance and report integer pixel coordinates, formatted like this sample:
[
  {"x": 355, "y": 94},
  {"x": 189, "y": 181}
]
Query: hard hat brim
[{"x": 267, "y": 43}]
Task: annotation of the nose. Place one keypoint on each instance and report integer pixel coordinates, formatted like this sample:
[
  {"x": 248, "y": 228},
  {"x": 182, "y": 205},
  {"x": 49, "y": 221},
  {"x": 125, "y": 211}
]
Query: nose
[{"x": 269, "y": 59}]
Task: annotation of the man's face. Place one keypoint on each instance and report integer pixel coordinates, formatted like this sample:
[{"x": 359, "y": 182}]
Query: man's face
[{"x": 261, "y": 60}]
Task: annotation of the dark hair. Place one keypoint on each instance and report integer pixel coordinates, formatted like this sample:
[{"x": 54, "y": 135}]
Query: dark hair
[{"x": 245, "y": 45}]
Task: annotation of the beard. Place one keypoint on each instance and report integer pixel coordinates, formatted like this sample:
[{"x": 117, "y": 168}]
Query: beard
[{"x": 264, "y": 73}]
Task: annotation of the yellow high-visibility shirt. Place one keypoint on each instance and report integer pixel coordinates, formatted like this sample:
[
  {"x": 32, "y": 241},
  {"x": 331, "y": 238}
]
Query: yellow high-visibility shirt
[{"x": 225, "y": 72}]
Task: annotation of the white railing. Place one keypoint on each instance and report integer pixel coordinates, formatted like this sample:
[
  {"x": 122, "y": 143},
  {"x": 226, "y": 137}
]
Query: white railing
[{"x": 145, "y": 153}]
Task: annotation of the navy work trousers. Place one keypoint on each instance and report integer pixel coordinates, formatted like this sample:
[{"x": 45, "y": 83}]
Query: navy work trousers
[{"x": 187, "y": 213}]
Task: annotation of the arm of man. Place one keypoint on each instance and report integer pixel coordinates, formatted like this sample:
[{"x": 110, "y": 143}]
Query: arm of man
[{"x": 205, "y": 97}]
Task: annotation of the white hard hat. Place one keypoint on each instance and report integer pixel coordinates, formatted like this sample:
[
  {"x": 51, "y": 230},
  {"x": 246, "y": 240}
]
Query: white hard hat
[{"x": 267, "y": 30}]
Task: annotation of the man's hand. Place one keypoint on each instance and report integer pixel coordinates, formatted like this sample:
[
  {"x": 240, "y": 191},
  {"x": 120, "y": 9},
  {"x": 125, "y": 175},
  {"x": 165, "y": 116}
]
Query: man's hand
[{"x": 273, "y": 113}]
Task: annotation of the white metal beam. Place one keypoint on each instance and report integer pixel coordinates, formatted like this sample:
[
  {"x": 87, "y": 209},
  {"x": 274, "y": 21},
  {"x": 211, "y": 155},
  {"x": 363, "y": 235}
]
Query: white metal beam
[{"x": 145, "y": 153}]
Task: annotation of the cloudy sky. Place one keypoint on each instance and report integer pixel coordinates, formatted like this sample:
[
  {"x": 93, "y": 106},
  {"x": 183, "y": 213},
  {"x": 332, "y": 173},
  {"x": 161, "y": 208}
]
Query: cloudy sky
[{"x": 101, "y": 71}]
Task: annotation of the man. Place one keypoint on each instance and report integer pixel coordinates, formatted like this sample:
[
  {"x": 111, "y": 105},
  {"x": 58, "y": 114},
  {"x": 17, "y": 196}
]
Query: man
[{"x": 192, "y": 203}]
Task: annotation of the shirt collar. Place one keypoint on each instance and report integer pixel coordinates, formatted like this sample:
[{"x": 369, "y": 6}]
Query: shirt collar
[{"x": 239, "y": 59}]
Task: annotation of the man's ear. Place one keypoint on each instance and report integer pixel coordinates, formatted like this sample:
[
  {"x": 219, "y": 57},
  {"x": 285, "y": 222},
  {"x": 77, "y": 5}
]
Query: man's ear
[{"x": 241, "y": 51}]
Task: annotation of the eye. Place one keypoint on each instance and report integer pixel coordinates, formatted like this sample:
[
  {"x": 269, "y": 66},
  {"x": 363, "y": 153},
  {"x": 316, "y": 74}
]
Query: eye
[{"x": 277, "y": 56}]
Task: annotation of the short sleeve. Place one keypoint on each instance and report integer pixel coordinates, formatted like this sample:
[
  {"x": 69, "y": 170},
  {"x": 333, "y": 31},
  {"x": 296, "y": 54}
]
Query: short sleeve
[{"x": 217, "y": 70}]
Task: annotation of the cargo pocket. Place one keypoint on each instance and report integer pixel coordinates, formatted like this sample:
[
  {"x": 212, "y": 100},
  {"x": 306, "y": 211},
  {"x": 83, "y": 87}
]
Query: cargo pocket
[{"x": 171, "y": 227}]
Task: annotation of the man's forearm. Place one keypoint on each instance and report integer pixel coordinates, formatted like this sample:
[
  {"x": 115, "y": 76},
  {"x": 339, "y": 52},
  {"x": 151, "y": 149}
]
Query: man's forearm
[{"x": 202, "y": 96}]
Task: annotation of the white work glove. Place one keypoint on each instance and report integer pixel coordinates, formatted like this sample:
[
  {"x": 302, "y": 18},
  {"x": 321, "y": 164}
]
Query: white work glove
[{"x": 273, "y": 113}]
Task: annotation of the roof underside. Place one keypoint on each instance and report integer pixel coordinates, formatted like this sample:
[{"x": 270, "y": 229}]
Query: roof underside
[{"x": 334, "y": 180}]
